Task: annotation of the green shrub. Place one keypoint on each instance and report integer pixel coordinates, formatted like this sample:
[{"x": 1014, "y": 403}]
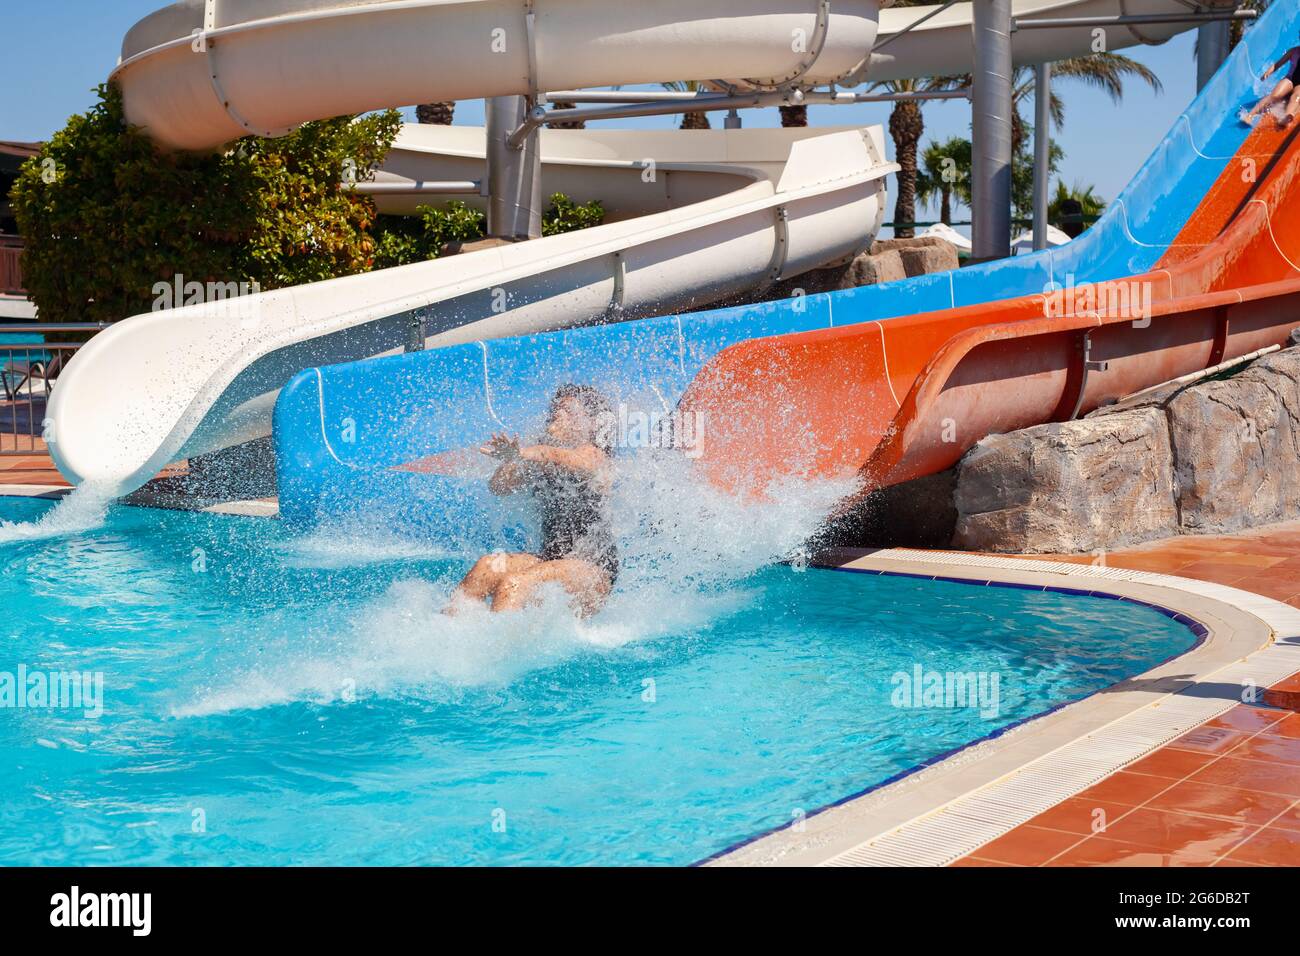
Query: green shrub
[
  {"x": 567, "y": 216},
  {"x": 106, "y": 216},
  {"x": 401, "y": 240}
]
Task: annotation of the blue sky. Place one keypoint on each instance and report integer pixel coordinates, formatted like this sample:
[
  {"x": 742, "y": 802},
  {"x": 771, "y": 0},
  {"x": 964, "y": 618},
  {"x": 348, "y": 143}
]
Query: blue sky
[{"x": 56, "y": 51}]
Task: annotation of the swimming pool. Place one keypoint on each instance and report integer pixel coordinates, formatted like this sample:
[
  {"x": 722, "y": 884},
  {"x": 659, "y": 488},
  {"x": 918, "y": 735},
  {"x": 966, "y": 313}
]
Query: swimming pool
[{"x": 277, "y": 700}]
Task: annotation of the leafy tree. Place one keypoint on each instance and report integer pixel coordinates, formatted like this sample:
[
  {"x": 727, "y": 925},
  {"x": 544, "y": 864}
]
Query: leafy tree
[
  {"x": 401, "y": 240},
  {"x": 906, "y": 127},
  {"x": 1022, "y": 176},
  {"x": 106, "y": 216}
]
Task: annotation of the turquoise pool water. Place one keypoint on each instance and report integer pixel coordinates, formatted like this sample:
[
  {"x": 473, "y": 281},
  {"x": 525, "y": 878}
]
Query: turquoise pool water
[{"x": 271, "y": 700}]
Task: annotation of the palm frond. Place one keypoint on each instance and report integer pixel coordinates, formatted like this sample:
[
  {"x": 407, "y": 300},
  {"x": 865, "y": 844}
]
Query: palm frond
[{"x": 1107, "y": 72}]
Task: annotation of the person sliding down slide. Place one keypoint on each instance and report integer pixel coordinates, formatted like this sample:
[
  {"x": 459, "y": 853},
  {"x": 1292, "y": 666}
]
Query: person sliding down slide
[
  {"x": 1285, "y": 92},
  {"x": 570, "y": 479}
]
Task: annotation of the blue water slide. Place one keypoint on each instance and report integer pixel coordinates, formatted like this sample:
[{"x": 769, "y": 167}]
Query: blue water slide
[{"x": 342, "y": 431}]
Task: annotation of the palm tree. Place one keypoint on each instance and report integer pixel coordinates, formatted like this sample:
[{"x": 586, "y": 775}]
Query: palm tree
[
  {"x": 690, "y": 120},
  {"x": 1077, "y": 200},
  {"x": 436, "y": 114},
  {"x": 794, "y": 115},
  {"x": 1238, "y": 27},
  {"x": 906, "y": 127},
  {"x": 944, "y": 174}
]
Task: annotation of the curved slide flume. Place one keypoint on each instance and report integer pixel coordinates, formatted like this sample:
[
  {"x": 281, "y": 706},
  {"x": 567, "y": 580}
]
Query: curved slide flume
[
  {"x": 197, "y": 74},
  {"x": 169, "y": 385},
  {"x": 819, "y": 382},
  {"x": 926, "y": 387}
]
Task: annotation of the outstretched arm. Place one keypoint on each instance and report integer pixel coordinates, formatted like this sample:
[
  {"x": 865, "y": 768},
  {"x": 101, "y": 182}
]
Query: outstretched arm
[
  {"x": 517, "y": 462},
  {"x": 513, "y": 472},
  {"x": 585, "y": 460},
  {"x": 1288, "y": 59}
]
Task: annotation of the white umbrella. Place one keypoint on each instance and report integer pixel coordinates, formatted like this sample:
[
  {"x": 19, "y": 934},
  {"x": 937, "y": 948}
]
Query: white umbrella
[
  {"x": 948, "y": 233},
  {"x": 1025, "y": 241}
]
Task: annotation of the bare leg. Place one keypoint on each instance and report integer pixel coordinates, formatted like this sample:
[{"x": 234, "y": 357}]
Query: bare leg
[
  {"x": 587, "y": 584},
  {"x": 1292, "y": 108},
  {"x": 1278, "y": 95},
  {"x": 486, "y": 576}
]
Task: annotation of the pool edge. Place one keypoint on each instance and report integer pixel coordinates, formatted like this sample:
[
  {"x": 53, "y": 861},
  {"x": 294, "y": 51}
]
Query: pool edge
[{"x": 946, "y": 809}]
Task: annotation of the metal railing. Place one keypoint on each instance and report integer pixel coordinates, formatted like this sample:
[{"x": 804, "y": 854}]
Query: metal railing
[{"x": 29, "y": 371}]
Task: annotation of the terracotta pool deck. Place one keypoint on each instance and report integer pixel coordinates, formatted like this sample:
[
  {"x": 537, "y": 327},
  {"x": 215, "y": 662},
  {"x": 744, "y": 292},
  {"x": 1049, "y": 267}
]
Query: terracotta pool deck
[
  {"x": 1226, "y": 793},
  {"x": 32, "y": 467}
]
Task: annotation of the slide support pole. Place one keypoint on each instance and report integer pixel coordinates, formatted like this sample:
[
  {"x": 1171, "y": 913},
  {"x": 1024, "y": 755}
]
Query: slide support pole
[
  {"x": 514, "y": 174},
  {"x": 991, "y": 108},
  {"x": 1212, "y": 41},
  {"x": 1042, "y": 150}
]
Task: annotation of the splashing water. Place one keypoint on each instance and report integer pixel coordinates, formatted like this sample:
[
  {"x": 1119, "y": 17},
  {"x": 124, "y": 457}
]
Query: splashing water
[
  {"x": 685, "y": 548},
  {"x": 81, "y": 510},
  {"x": 348, "y": 545},
  {"x": 679, "y": 533}
]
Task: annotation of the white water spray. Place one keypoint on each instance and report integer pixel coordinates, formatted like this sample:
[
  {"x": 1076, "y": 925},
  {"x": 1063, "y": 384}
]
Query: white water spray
[
  {"x": 686, "y": 549},
  {"x": 84, "y": 509}
]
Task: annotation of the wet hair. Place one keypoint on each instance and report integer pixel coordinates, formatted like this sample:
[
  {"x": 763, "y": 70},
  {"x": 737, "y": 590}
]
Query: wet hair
[{"x": 596, "y": 405}]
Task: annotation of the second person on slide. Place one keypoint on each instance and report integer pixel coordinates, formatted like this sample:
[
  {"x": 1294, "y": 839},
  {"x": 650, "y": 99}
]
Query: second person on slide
[
  {"x": 569, "y": 477},
  {"x": 1284, "y": 92}
]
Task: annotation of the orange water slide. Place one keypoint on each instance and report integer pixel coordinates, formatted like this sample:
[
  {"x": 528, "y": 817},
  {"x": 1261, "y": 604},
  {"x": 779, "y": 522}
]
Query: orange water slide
[{"x": 906, "y": 397}]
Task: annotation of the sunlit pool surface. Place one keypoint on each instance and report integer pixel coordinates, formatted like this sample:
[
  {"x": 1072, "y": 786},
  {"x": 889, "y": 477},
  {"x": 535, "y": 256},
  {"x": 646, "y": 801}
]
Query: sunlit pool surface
[{"x": 271, "y": 700}]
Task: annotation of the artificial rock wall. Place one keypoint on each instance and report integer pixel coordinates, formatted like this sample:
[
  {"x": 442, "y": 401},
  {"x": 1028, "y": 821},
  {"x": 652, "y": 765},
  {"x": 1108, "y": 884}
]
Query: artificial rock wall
[{"x": 1208, "y": 458}]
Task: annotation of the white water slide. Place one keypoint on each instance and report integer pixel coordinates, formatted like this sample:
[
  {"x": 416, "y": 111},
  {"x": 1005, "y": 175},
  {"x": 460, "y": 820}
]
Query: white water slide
[{"x": 717, "y": 213}]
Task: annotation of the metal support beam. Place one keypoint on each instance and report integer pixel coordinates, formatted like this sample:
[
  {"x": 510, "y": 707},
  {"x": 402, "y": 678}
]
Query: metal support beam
[
  {"x": 1042, "y": 150},
  {"x": 539, "y": 116},
  {"x": 1212, "y": 42},
  {"x": 514, "y": 170},
  {"x": 630, "y": 105},
  {"x": 458, "y": 187},
  {"x": 991, "y": 109},
  {"x": 1132, "y": 19},
  {"x": 838, "y": 98},
  {"x": 623, "y": 96},
  {"x": 717, "y": 101},
  {"x": 912, "y": 26}
]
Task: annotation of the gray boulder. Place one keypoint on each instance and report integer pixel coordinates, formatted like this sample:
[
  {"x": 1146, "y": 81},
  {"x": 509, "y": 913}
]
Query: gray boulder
[
  {"x": 920, "y": 256},
  {"x": 864, "y": 269},
  {"x": 1068, "y": 487},
  {"x": 1237, "y": 447},
  {"x": 875, "y": 268}
]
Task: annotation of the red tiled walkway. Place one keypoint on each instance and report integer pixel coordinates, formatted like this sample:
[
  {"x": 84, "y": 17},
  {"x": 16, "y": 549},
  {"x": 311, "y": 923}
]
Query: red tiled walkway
[
  {"x": 1224, "y": 794},
  {"x": 1227, "y": 793},
  {"x": 33, "y": 467}
]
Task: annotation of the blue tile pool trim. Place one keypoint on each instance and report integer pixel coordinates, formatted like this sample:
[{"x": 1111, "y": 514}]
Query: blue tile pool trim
[{"x": 1198, "y": 630}]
